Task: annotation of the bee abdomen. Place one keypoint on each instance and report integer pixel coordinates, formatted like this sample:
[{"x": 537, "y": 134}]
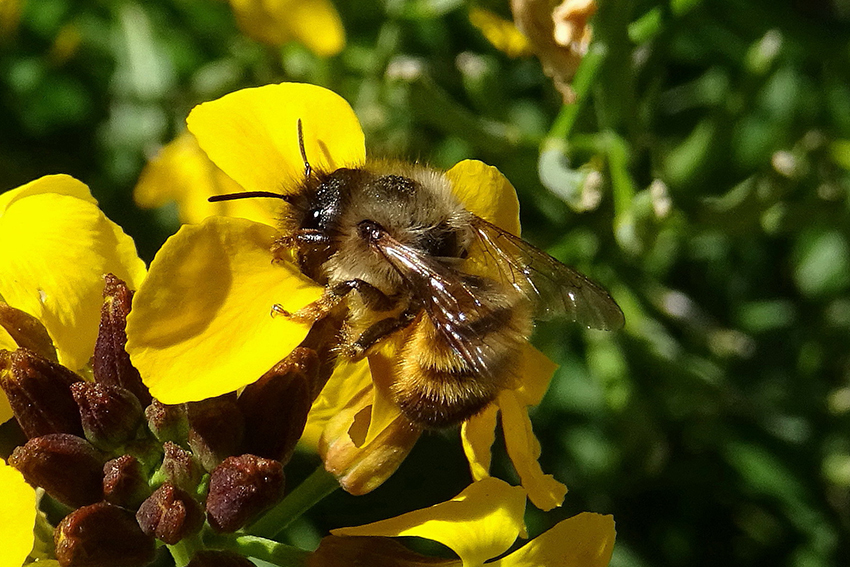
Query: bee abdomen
[{"x": 437, "y": 387}]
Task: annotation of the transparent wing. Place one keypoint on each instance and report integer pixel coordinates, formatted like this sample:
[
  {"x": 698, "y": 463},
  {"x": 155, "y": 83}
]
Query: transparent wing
[
  {"x": 555, "y": 289},
  {"x": 455, "y": 302}
]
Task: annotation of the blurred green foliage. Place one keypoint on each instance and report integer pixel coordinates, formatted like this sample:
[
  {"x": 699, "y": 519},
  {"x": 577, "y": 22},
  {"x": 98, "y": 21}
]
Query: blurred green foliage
[{"x": 702, "y": 176}]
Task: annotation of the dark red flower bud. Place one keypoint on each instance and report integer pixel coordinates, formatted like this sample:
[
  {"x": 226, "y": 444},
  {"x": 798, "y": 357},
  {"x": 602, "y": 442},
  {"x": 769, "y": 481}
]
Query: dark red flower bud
[
  {"x": 170, "y": 514},
  {"x": 240, "y": 489},
  {"x": 180, "y": 468},
  {"x": 27, "y": 332},
  {"x": 102, "y": 535},
  {"x": 276, "y": 406},
  {"x": 111, "y": 363},
  {"x": 64, "y": 465},
  {"x": 111, "y": 415},
  {"x": 215, "y": 558},
  {"x": 216, "y": 427},
  {"x": 39, "y": 392},
  {"x": 167, "y": 422},
  {"x": 124, "y": 482}
]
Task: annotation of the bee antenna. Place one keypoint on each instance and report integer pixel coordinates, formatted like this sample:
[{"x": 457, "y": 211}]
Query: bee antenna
[
  {"x": 248, "y": 195},
  {"x": 308, "y": 170}
]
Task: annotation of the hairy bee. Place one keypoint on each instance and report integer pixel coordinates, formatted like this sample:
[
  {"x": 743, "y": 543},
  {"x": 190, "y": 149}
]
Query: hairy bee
[{"x": 401, "y": 257}]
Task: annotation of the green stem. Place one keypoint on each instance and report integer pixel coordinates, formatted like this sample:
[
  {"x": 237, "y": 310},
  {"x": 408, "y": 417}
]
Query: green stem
[
  {"x": 584, "y": 78},
  {"x": 183, "y": 550},
  {"x": 314, "y": 488},
  {"x": 259, "y": 548}
]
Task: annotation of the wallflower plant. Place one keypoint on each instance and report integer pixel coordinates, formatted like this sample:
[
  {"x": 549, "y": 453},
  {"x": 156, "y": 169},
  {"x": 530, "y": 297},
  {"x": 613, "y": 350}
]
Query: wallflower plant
[
  {"x": 222, "y": 278},
  {"x": 163, "y": 420}
]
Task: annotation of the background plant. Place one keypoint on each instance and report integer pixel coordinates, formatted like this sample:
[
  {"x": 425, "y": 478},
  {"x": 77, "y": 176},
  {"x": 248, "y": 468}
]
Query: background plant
[{"x": 702, "y": 177}]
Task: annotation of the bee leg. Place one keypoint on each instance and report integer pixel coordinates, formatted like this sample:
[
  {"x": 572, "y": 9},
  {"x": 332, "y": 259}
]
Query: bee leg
[
  {"x": 371, "y": 336},
  {"x": 284, "y": 245},
  {"x": 312, "y": 312},
  {"x": 373, "y": 298}
]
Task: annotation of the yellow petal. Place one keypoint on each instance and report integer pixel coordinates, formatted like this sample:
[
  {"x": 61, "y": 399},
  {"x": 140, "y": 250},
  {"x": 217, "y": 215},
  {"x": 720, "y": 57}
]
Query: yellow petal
[
  {"x": 537, "y": 371},
  {"x": 61, "y": 184},
  {"x": 56, "y": 248},
  {"x": 586, "y": 540},
  {"x": 478, "y": 524},
  {"x": 202, "y": 323},
  {"x": 182, "y": 172},
  {"x": 478, "y": 434},
  {"x": 347, "y": 381},
  {"x": 384, "y": 411},
  {"x": 316, "y": 24},
  {"x": 484, "y": 191},
  {"x": 502, "y": 33},
  {"x": 523, "y": 449},
  {"x": 252, "y": 134},
  {"x": 17, "y": 516}
]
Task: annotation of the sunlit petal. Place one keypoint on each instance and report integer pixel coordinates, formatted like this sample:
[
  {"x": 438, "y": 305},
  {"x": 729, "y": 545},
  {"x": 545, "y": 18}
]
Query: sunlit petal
[
  {"x": 61, "y": 184},
  {"x": 56, "y": 248},
  {"x": 523, "y": 449},
  {"x": 586, "y": 540},
  {"x": 17, "y": 516},
  {"x": 480, "y": 523},
  {"x": 478, "y": 434},
  {"x": 347, "y": 381},
  {"x": 182, "y": 172},
  {"x": 483, "y": 190},
  {"x": 537, "y": 371},
  {"x": 382, "y": 366},
  {"x": 252, "y": 134},
  {"x": 202, "y": 324}
]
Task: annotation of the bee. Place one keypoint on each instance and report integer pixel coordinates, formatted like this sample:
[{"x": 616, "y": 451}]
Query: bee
[{"x": 401, "y": 259}]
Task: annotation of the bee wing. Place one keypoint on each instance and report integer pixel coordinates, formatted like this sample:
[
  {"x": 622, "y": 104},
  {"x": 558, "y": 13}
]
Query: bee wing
[
  {"x": 554, "y": 288},
  {"x": 448, "y": 297}
]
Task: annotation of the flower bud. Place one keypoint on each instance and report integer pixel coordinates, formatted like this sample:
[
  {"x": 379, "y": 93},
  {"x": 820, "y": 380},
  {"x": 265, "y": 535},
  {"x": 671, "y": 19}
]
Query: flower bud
[
  {"x": 216, "y": 558},
  {"x": 180, "y": 468},
  {"x": 167, "y": 422},
  {"x": 363, "y": 468},
  {"x": 39, "y": 392},
  {"x": 170, "y": 514},
  {"x": 241, "y": 488},
  {"x": 276, "y": 406},
  {"x": 111, "y": 415},
  {"x": 111, "y": 363},
  {"x": 27, "y": 332},
  {"x": 102, "y": 535},
  {"x": 124, "y": 482},
  {"x": 64, "y": 465},
  {"x": 216, "y": 428}
]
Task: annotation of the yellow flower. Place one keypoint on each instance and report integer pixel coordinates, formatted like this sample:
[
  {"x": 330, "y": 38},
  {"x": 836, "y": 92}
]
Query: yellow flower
[
  {"x": 202, "y": 323},
  {"x": 182, "y": 172},
  {"x": 502, "y": 33},
  {"x": 315, "y": 23},
  {"x": 480, "y": 523},
  {"x": 17, "y": 516},
  {"x": 56, "y": 247}
]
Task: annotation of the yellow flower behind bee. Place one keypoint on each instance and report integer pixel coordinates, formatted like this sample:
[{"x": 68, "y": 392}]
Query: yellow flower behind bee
[
  {"x": 502, "y": 33},
  {"x": 315, "y": 23}
]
